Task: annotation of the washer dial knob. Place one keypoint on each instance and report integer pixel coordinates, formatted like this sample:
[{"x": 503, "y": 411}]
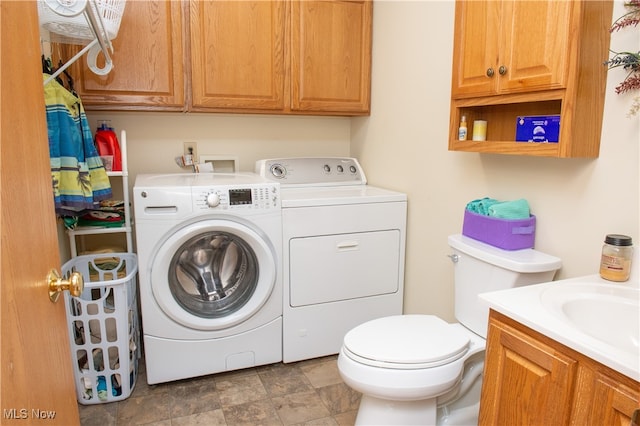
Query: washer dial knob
[{"x": 213, "y": 199}]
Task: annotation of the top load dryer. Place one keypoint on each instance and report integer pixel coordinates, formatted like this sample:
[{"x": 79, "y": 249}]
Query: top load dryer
[{"x": 343, "y": 251}]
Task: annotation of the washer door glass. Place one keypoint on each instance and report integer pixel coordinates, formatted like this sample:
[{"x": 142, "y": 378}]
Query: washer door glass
[{"x": 213, "y": 274}]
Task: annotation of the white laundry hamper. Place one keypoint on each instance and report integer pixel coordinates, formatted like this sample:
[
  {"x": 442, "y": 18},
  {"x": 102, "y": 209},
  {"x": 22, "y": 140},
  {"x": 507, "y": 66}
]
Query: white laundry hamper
[{"x": 103, "y": 327}]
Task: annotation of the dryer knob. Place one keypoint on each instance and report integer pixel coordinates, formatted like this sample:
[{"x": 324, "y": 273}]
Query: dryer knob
[
  {"x": 278, "y": 171},
  {"x": 213, "y": 199}
]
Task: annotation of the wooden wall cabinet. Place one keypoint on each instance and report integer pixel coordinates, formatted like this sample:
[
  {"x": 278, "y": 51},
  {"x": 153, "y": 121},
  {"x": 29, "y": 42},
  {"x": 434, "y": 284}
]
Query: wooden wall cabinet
[
  {"x": 278, "y": 56},
  {"x": 515, "y": 58},
  {"x": 531, "y": 379},
  {"x": 148, "y": 71},
  {"x": 331, "y": 56},
  {"x": 237, "y": 55},
  {"x": 508, "y": 47}
]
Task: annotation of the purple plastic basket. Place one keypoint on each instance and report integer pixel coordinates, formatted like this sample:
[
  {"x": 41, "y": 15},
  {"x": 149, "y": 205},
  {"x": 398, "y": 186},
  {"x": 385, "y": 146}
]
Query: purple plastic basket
[{"x": 507, "y": 234}]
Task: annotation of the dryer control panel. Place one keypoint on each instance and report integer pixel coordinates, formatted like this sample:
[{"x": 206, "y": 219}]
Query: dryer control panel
[
  {"x": 262, "y": 196},
  {"x": 309, "y": 171}
]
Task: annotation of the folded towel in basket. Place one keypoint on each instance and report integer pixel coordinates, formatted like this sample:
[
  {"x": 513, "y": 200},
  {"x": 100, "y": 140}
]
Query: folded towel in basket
[
  {"x": 482, "y": 205},
  {"x": 517, "y": 209}
]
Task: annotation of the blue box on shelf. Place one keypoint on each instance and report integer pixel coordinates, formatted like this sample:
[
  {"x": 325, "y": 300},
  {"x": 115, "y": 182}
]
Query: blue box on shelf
[{"x": 538, "y": 128}]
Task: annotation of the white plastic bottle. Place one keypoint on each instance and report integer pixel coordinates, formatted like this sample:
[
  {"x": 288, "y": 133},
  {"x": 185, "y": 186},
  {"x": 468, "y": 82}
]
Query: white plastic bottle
[{"x": 462, "y": 130}]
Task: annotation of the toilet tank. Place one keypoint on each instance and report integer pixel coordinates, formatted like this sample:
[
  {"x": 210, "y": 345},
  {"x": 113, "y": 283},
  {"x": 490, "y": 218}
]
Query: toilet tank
[{"x": 479, "y": 268}]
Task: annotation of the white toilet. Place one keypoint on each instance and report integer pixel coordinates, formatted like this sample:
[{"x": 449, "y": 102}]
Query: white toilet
[{"x": 421, "y": 370}]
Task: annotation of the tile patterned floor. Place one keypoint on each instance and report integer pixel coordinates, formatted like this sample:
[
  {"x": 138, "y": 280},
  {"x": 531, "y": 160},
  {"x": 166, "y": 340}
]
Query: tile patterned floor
[{"x": 308, "y": 392}]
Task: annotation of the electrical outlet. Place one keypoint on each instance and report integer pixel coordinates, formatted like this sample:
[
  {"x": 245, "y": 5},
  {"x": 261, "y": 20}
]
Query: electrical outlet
[{"x": 191, "y": 148}]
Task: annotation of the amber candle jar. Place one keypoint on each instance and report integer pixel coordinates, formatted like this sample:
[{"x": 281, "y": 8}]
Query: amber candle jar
[{"x": 615, "y": 263}]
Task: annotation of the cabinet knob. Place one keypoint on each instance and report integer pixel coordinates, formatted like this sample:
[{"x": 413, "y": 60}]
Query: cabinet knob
[
  {"x": 490, "y": 72},
  {"x": 502, "y": 70}
]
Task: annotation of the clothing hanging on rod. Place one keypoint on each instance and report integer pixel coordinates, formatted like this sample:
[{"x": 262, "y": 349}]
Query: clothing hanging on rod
[
  {"x": 80, "y": 180},
  {"x": 48, "y": 68}
]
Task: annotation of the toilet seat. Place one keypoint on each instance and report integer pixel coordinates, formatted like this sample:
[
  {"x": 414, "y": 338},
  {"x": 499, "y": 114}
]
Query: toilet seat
[{"x": 406, "y": 342}]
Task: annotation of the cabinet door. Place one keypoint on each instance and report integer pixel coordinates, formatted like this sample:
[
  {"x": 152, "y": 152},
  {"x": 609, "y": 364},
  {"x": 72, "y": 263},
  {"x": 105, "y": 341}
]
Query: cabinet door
[
  {"x": 148, "y": 70},
  {"x": 331, "y": 55},
  {"x": 614, "y": 403},
  {"x": 237, "y": 54},
  {"x": 534, "y": 45},
  {"x": 475, "y": 48},
  {"x": 510, "y": 46},
  {"x": 525, "y": 381}
]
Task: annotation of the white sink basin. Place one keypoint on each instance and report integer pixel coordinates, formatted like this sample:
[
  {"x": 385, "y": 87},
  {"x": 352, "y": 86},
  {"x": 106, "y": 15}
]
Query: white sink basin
[
  {"x": 595, "y": 317},
  {"x": 607, "y": 312}
]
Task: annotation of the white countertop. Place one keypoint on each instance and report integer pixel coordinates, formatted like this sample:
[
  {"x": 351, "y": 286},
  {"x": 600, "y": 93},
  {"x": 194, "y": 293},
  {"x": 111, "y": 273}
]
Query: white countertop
[{"x": 525, "y": 305}]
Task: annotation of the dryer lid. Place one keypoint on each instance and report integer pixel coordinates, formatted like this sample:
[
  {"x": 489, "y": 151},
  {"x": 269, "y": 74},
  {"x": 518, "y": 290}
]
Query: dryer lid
[{"x": 407, "y": 341}]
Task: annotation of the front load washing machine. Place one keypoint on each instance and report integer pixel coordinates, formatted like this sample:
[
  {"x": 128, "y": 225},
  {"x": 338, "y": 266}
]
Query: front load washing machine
[
  {"x": 209, "y": 249},
  {"x": 343, "y": 251}
]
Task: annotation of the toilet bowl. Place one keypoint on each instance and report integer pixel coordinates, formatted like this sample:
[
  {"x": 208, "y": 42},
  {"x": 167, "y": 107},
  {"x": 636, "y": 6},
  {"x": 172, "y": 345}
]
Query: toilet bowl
[
  {"x": 401, "y": 364},
  {"x": 421, "y": 370}
]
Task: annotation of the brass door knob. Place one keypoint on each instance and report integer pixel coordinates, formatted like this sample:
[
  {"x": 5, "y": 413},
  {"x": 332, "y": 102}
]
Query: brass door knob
[{"x": 75, "y": 284}]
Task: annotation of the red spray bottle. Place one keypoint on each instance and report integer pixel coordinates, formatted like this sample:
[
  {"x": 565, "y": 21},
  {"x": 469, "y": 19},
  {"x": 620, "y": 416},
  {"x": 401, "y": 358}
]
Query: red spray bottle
[{"x": 107, "y": 145}]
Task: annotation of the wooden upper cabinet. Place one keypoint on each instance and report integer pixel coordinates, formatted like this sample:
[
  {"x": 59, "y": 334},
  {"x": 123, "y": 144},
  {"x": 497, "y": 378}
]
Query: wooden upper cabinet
[
  {"x": 237, "y": 54},
  {"x": 276, "y": 56},
  {"x": 331, "y": 55},
  {"x": 476, "y": 40},
  {"x": 510, "y": 46},
  {"x": 530, "y": 58},
  {"x": 148, "y": 70},
  {"x": 311, "y": 57},
  {"x": 534, "y": 48}
]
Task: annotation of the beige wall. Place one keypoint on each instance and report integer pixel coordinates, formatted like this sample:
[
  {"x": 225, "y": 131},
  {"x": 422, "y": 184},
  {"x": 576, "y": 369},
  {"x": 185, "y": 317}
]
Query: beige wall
[
  {"x": 403, "y": 145},
  {"x": 154, "y": 139}
]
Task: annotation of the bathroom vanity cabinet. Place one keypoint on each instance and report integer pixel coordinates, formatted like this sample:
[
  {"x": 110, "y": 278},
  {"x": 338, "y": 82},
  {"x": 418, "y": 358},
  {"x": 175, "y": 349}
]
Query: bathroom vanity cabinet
[
  {"x": 530, "y": 58},
  {"x": 278, "y": 57},
  {"x": 532, "y": 379}
]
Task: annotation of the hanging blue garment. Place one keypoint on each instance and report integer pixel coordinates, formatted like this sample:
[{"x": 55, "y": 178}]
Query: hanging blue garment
[{"x": 79, "y": 178}]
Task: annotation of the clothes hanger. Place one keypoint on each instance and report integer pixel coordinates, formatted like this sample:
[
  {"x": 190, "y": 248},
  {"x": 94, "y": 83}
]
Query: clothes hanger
[
  {"x": 47, "y": 67},
  {"x": 70, "y": 83}
]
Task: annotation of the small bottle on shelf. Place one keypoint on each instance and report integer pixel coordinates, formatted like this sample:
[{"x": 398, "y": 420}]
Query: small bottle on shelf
[{"x": 462, "y": 130}]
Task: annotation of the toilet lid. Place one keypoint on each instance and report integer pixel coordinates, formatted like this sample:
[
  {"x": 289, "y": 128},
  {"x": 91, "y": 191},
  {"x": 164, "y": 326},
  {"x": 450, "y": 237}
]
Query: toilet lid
[{"x": 406, "y": 341}]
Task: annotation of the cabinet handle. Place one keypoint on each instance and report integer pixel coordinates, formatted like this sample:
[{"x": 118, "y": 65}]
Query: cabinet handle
[
  {"x": 490, "y": 72},
  {"x": 635, "y": 418},
  {"x": 502, "y": 70}
]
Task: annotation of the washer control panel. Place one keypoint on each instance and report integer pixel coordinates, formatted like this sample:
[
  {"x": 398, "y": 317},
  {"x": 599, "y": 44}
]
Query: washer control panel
[
  {"x": 261, "y": 196},
  {"x": 328, "y": 171}
]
